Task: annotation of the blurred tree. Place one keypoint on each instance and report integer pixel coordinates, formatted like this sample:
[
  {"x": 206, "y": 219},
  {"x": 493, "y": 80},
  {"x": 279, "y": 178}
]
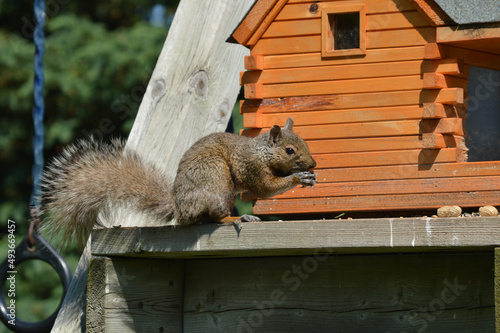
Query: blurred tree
[{"x": 99, "y": 57}]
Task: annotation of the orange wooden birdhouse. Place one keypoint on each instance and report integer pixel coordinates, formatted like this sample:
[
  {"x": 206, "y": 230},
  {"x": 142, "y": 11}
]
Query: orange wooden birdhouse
[{"x": 397, "y": 100}]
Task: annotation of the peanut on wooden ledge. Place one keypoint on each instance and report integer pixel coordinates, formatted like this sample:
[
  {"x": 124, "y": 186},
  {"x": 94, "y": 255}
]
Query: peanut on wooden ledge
[
  {"x": 449, "y": 211},
  {"x": 488, "y": 211}
]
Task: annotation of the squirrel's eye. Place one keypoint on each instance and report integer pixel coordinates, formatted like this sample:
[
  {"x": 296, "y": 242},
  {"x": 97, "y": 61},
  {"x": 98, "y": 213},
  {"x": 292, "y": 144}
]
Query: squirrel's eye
[{"x": 290, "y": 151}]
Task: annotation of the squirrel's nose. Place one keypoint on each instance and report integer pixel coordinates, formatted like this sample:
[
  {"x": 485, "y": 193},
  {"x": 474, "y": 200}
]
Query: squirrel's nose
[{"x": 313, "y": 164}]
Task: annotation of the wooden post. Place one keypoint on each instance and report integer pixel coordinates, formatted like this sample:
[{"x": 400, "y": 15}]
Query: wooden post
[
  {"x": 191, "y": 93},
  {"x": 497, "y": 289}
]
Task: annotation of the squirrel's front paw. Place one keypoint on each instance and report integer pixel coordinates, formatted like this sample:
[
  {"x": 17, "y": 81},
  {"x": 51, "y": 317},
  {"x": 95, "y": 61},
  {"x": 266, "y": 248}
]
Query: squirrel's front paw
[{"x": 306, "y": 178}]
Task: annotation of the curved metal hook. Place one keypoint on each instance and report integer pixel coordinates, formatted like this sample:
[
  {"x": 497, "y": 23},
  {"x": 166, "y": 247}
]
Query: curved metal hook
[{"x": 43, "y": 251}]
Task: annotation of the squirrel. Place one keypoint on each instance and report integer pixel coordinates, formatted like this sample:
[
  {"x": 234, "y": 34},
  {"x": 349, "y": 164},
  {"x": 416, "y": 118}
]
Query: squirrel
[{"x": 79, "y": 183}]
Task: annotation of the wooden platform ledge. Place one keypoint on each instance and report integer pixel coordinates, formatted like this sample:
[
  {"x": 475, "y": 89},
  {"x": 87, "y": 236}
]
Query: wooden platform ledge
[{"x": 383, "y": 235}]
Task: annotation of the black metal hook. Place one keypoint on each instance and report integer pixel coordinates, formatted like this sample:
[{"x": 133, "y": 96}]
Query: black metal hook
[{"x": 42, "y": 251}]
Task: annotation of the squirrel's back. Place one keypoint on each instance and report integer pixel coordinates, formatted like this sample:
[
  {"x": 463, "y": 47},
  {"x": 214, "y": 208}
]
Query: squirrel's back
[{"x": 89, "y": 175}]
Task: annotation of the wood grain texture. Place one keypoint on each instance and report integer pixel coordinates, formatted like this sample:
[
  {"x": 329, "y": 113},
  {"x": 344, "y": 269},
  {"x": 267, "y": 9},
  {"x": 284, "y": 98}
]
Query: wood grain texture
[
  {"x": 377, "y": 203},
  {"x": 471, "y": 57},
  {"x": 252, "y": 20},
  {"x": 137, "y": 295},
  {"x": 191, "y": 93},
  {"x": 410, "y": 172},
  {"x": 374, "y": 40},
  {"x": 315, "y": 59},
  {"x": 329, "y": 293},
  {"x": 287, "y": 238},
  {"x": 451, "y": 96}
]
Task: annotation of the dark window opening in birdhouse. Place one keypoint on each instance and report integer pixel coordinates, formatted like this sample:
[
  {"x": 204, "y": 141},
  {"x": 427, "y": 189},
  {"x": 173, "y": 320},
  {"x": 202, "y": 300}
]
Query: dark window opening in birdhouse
[
  {"x": 345, "y": 30},
  {"x": 482, "y": 125}
]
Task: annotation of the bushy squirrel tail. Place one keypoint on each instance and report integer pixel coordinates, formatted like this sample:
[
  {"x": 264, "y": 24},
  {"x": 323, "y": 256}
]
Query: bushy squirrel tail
[{"x": 89, "y": 175}]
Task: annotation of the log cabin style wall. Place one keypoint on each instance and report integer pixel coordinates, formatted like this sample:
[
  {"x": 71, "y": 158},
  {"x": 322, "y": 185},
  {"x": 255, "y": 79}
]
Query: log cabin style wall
[{"x": 383, "y": 118}]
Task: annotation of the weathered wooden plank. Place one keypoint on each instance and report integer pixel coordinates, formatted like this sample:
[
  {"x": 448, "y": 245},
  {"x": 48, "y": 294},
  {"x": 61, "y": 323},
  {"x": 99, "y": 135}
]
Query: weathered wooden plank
[
  {"x": 302, "y": 11},
  {"x": 96, "y": 285},
  {"x": 315, "y": 59},
  {"x": 337, "y": 87},
  {"x": 497, "y": 288},
  {"x": 374, "y": 129},
  {"x": 377, "y": 203},
  {"x": 404, "y": 186},
  {"x": 137, "y": 295},
  {"x": 300, "y": 237},
  {"x": 327, "y": 293},
  {"x": 374, "y": 40},
  {"x": 267, "y": 120},
  {"x": 378, "y": 22},
  {"x": 195, "y": 83},
  {"x": 409, "y": 172}
]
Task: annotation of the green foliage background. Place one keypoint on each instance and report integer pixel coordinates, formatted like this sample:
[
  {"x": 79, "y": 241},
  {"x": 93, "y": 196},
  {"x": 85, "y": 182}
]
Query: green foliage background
[{"x": 99, "y": 58}]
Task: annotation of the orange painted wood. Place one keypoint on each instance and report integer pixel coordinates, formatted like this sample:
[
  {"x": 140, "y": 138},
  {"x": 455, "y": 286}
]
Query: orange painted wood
[
  {"x": 376, "y": 144},
  {"x": 315, "y": 59},
  {"x": 432, "y": 12},
  {"x": 302, "y": 11},
  {"x": 266, "y": 21},
  {"x": 342, "y": 86},
  {"x": 377, "y": 22},
  {"x": 470, "y": 57},
  {"x": 376, "y": 202},
  {"x": 404, "y": 186},
  {"x": 333, "y": 116},
  {"x": 336, "y": 102},
  {"x": 374, "y": 129},
  {"x": 443, "y": 96},
  {"x": 490, "y": 33},
  {"x": 376, "y": 158},
  {"x": 339, "y": 72},
  {"x": 438, "y": 81},
  {"x": 254, "y": 62},
  {"x": 374, "y": 40},
  {"x": 252, "y": 20},
  {"x": 414, "y": 171},
  {"x": 254, "y": 91},
  {"x": 446, "y": 66},
  {"x": 438, "y": 110}
]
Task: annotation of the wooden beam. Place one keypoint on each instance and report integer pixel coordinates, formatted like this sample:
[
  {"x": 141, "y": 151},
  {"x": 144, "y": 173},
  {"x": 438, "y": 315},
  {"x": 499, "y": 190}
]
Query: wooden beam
[
  {"x": 403, "y": 186},
  {"x": 487, "y": 31},
  {"x": 354, "y": 86},
  {"x": 267, "y": 120},
  {"x": 438, "y": 110},
  {"x": 336, "y": 102},
  {"x": 275, "y": 9},
  {"x": 377, "y": 203},
  {"x": 439, "y": 81},
  {"x": 470, "y": 57},
  {"x": 374, "y": 129},
  {"x": 497, "y": 288},
  {"x": 315, "y": 59},
  {"x": 331, "y": 73},
  {"x": 300, "y": 237},
  {"x": 386, "y": 158},
  {"x": 183, "y": 87}
]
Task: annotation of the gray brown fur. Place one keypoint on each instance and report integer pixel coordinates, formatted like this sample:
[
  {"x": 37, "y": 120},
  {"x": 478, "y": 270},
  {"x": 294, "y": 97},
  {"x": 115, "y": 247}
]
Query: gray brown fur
[{"x": 87, "y": 176}]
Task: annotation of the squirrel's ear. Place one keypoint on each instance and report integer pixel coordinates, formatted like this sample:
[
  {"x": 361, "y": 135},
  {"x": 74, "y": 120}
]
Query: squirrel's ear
[
  {"x": 275, "y": 134},
  {"x": 289, "y": 124}
]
